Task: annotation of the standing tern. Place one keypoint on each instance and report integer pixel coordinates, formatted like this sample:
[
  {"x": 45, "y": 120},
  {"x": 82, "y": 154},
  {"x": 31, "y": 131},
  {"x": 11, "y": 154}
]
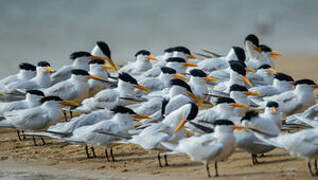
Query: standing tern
[
  {"x": 198, "y": 82},
  {"x": 217, "y": 146},
  {"x": 32, "y": 99},
  {"x": 253, "y": 51},
  {"x": 179, "y": 64},
  {"x": 75, "y": 88},
  {"x": 102, "y": 51},
  {"x": 41, "y": 80},
  {"x": 263, "y": 76},
  {"x": 268, "y": 56},
  {"x": 141, "y": 64}
]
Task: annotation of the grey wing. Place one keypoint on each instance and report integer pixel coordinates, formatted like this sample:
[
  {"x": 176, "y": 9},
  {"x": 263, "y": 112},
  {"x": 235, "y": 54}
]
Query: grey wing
[
  {"x": 63, "y": 90},
  {"x": 62, "y": 74}
]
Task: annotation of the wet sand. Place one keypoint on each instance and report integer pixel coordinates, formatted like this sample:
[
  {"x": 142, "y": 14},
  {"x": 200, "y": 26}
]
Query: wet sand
[{"x": 59, "y": 160}]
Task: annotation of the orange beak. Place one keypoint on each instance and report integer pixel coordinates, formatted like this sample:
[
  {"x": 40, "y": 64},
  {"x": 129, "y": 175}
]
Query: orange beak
[
  {"x": 271, "y": 71},
  {"x": 196, "y": 99},
  {"x": 49, "y": 69},
  {"x": 152, "y": 58},
  {"x": 179, "y": 76},
  {"x": 247, "y": 69},
  {"x": 251, "y": 93},
  {"x": 192, "y": 57},
  {"x": 274, "y": 110},
  {"x": 190, "y": 64},
  {"x": 142, "y": 88},
  {"x": 95, "y": 77},
  {"x": 275, "y": 54},
  {"x": 105, "y": 59},
  {"x": 140, "y": 116},
  {"x": 240, "y": 105},
  {"x": 107, "y": 66},
  {"x": 244, "y": 78},
  {"x": 69, "y": 103},
  {"x": 208, "y": 78},
  {"x": 239, "y": 127},
  {"x": 180, "y": 125},
  {"x": 258, "y": 49}
]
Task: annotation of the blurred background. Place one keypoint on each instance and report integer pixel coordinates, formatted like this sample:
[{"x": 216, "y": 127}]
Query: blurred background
[{"x": 36, "y": 30}]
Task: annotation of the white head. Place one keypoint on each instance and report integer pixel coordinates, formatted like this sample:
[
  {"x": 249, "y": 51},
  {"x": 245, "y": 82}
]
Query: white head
[{"x": 43, "y": 67}]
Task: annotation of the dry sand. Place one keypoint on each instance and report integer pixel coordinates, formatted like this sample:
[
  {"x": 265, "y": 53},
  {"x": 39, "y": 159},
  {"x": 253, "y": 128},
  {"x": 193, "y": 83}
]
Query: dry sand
[{"x": 59, "y": 160}]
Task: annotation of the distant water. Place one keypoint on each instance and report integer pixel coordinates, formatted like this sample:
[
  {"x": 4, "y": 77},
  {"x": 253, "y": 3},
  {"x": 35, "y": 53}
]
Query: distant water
[{"x": 37, "y": 30}]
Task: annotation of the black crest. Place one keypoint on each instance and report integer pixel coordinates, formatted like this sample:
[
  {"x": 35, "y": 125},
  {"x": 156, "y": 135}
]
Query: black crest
[
  {"x": 168, "y": 70},
  {"x": 265, "y": 48},
  {"x": 252, "y": 38},
  {"x": 182, "y": 49},
  {"x": 249, "y": 115},
  {"x": 127, "y": 78},
  {"x": 193, "y": 112},
  {"x": 283, "y": 77},
  {"x": 179, "y": 82},
  {"x": 221, "y": 100},
  {"x": 79, "y": 54},
  {"x": 27, "y": 66},
  {"x": 104, "y": 48},
  {"x": 240, "y": 53},
  {"x": 50, "y": 98},
  {"x": 264, "y": 66},
  {"x": 96, "y": 61},
  {"x": 176, "y": 59},
  {"x": 198, "y": 73},
  {"x": 143, "y": 52},
  {"x": 238, "y": 67},
  {"x": 122, "y": 109},
  {"x": 305, "y": 81},
  {"x": 35, "y": 92},
  {"x": 43, "y": 64},
  {"x": 272, "y": 104},
  {"x": 237, "y": 87},
  {"x": 223, "y": 122},
  {"x": 80, "y": 72},
  {"x": 169, "y": 50}
]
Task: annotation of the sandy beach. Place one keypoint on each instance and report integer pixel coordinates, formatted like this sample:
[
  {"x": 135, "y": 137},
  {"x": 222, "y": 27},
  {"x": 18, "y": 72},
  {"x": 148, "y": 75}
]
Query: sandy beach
[{"x": 60, "y": 160}]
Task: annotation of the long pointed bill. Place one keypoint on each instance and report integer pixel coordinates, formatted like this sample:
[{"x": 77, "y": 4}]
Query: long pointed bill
[
  {"x": 271, "y": 71},
  {"x": 190, "y": 64},
  {"x": 192, "y": 57},
  {"x": 152, "y": 58},
  {"x": 69, "y": 103},
  {"x": 240, "y": 105},
  {"x": 274, "y": 110},
  {"x": 49, "y": 69},
  {"x": 95, "y": 77},
  {"x": 244, "y": 78},
  {"x": 180, "y": 125},
  {"x": 196, "y": 99},
  {"x": 140, "y": 116},
  {"x": 251, "y": 93},
  {"x": 247, "y": 69},
  {"x": 208, "y": 78},
  {"x": 142, "y": 88},
  {"x": 258, "y": 49},
  {"x": 179, "y": 76},
  {"x": 107, "y": 66},
  {"x": 275, "y": 54},
  {"x": 105, "y": 59},
  {"x": 239, "y": 127}
]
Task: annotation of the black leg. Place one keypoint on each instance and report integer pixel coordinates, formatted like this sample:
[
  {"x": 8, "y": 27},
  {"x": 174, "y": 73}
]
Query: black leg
[
  {"x": 23, "y": 135},
  {"x": 18, "y": 133},
  {"x": 166, "y": 160},
  {"x": 309, "y": 167},
  {"x": 87, "y": 153},
  {"x": 111, "y": 154},
  {"x": 34, "y": 141},
  {"x": 159, "y": 159},
  {"x": 106, "y": 154},
  {"x": 93, "y": 151},
  {"x": 316, "y": 169},
  {"x": 207, "y": 169},
  {"x": 65, "y": 115},
  {"x": 71, "y": 113},
  {"x": 43, "y": 142},
  {"x": 216, "y": 169},
  {"x": 254, "y": 159}
]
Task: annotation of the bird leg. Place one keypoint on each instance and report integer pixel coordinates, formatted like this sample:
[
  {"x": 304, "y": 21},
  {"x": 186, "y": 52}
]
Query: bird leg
[
  {"x": 65, "y": 115},
  {"x": 207, "y": 169},
  {"x": 23, "y": 135},
  {"x": 254, "y": 159},
  {"x": 216, "y": 169},
  {"x": 18, "y": 133},
  {"x": 316, "y": 169},
  {"x": 111, "y": 154},
  {"x": 34, "y": 141},
  {"x": 43, "y": 142},
  {"x": 71, "y": 113},
  {"x": 159, "y": 159},
  {"x": 309, "y": 167},
  {"x": 93, "y": 151},
  {"x": 87, "y": 153},
  {"x": 106, "y": 154},
  {"x": 166, "y": 160}
]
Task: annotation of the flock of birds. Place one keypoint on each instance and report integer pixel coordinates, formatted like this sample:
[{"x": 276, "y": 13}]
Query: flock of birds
[{"x": 175, "y": 103}]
